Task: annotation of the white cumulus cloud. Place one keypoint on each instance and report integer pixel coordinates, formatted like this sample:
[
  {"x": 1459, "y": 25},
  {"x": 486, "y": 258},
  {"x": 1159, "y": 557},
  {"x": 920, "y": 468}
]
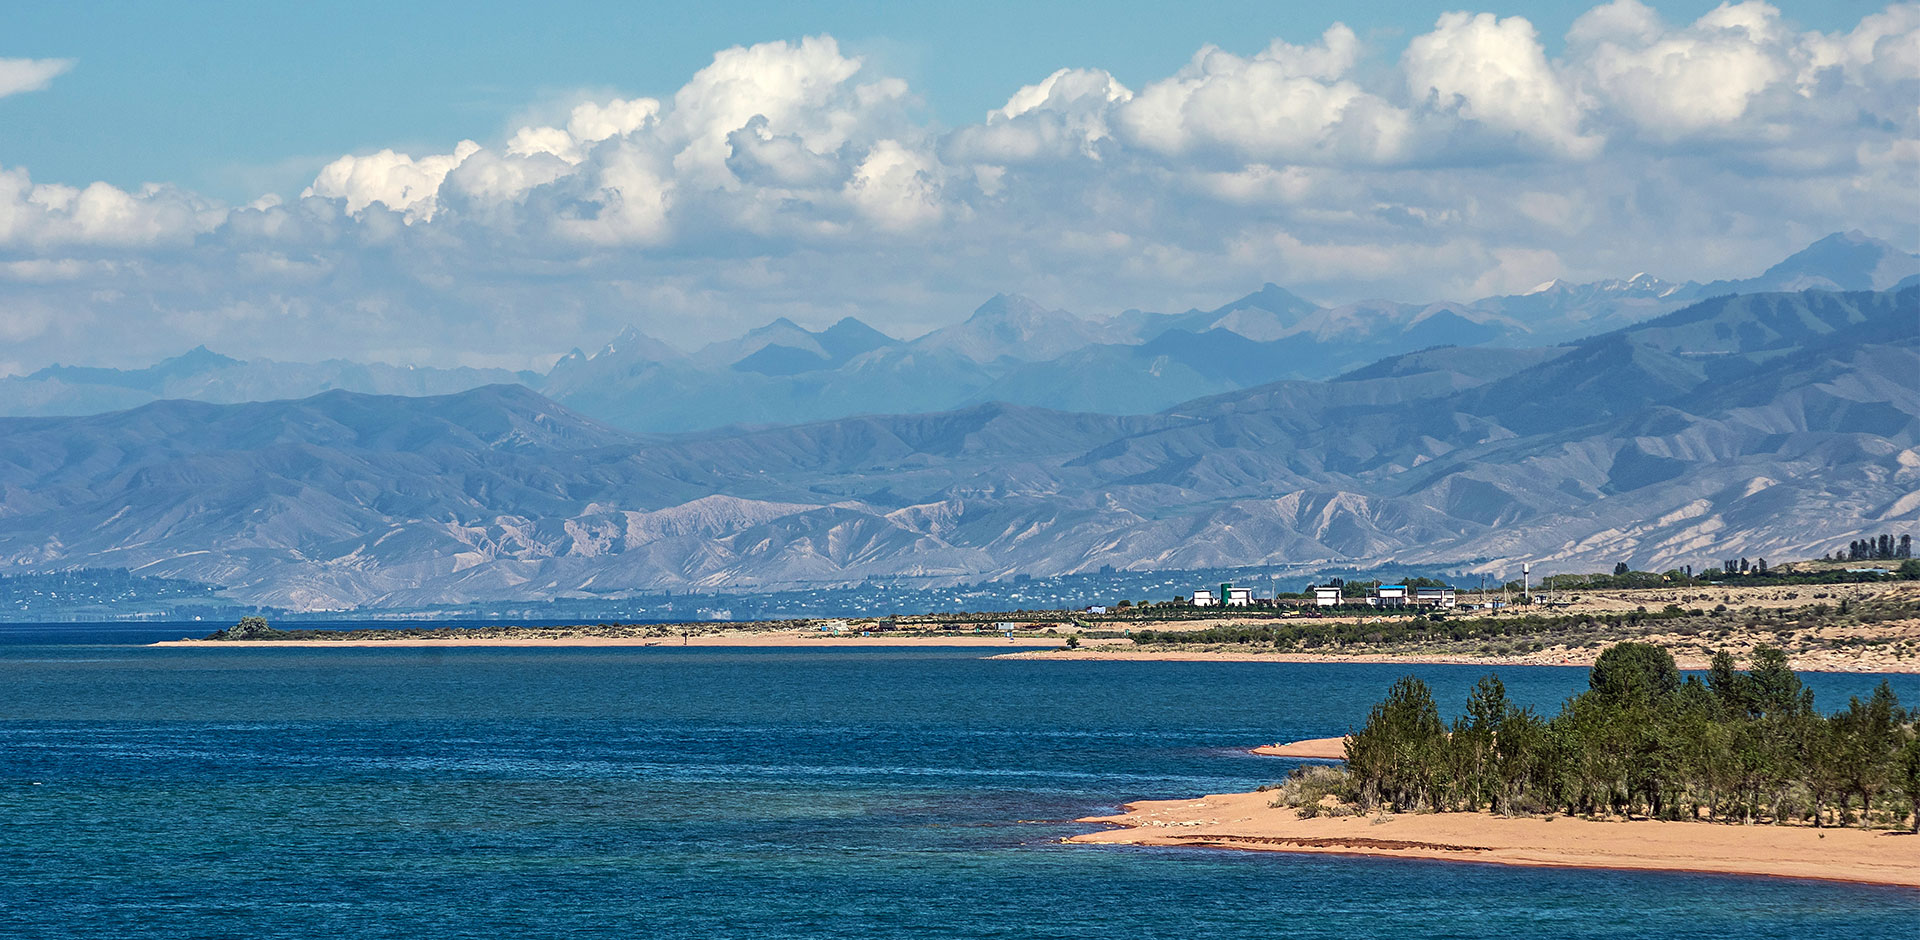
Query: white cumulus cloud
[
  {"x": 794, "y": 178},
  {"x": 394, "y": 180},
  {"x": 1494, "y": 72},
  {"x": 1672, "y": 83},
  {"x": 1288, "y": 103},
  {"x": 21, "y": 75},
  {"x": 1067, "y": 113},
  {"x": 48, "y": 216}
]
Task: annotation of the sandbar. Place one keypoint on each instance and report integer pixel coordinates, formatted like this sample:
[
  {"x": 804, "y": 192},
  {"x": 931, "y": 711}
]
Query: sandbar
[
  {"x": 1248, "y": 821},
  {"x": 453, "y": 638},
  {"x": 1313, "y": 748}
]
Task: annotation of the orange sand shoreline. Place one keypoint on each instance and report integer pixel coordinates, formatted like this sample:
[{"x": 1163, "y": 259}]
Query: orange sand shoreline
[
  {"x": 757, "y": 639},
  {"x": 1246, "y": 821},
  {"x": 1098, "y": 653},
  {"x": 1025, "y": 648},
  {"x": 1311, "y": 748}
]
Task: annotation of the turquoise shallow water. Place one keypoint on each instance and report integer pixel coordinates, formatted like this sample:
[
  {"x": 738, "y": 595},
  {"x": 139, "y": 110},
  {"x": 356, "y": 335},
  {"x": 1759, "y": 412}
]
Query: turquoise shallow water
[{"x": 737, "y": 793}]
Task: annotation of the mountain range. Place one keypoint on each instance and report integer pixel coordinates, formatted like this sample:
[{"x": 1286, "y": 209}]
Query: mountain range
[
  {"x": 1742, "y": 423},
  {"x": 1010, "y": 350}
]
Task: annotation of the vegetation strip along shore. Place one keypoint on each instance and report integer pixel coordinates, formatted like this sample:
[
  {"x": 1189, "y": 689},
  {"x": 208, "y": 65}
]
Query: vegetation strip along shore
[{"x": 1640, "y": 752}]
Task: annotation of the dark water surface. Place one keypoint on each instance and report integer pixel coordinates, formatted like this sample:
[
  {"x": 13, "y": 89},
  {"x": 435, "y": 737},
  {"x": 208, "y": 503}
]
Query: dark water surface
[{"x": 701, "y": 792}]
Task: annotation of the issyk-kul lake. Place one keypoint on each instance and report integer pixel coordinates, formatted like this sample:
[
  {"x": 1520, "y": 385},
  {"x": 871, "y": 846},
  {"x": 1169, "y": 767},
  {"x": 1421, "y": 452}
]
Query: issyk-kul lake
[{"x": 765, "y": 793}]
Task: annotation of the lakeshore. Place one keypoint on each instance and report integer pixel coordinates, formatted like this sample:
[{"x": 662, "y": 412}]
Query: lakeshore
[
  {"x": 1247, "y": 821},
  {"x": 1034, "y": 647},
  {"x": 1838, "y": 628},
  {"x": 542, "y": 637},
  {"x": 569, "y": 784},
  {"x": 1863, "y": 660},
  {"x": 1311, "y": 748},
  {"x": 1854, "y": 628}
]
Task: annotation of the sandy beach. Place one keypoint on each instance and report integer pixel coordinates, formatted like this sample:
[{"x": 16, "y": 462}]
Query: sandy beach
[
  {"x": 743, "y": 638},
  {"x": 1247, "y": 821},
  {"x": 1122, "y": 651},
  {"x": 1314, "y": 748},
  {"x": 1854, "y": 659},
  {"x": 1031, "y": 647},
  {"x": 1883, "y": 645}
]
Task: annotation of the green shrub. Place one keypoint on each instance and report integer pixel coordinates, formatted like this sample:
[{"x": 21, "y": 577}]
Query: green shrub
[{"x": 1307, "y": 786}]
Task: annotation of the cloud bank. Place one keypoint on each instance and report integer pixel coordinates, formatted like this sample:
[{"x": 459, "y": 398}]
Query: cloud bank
[{"x": 790, "y": 178}]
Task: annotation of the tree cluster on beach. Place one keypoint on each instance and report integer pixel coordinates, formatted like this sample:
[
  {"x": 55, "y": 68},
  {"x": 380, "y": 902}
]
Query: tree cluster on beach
[
  {"x": 249, "y": 628},
  {"x": 1744, "y": 746}
]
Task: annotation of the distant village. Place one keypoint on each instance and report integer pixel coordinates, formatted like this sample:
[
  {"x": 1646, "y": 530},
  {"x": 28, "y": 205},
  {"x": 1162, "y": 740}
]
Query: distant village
[
  {"x": 1420, "y": 592},
  {"x": 1428, "y": 593},
  {"x": 1335, "y": 593}
]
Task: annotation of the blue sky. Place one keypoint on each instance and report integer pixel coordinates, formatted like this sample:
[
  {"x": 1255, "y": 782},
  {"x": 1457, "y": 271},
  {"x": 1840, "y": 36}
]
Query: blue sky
[
  {"x": 236, "y": 99},
  {"x": 457, "y": 183}
]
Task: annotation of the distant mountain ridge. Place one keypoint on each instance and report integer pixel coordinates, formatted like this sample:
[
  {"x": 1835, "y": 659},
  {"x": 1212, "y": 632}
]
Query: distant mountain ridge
[
  {"x": 1010, "y": 349},
  {"x": 1768, "y": 425},
  {"x": 203, "y": 375}
]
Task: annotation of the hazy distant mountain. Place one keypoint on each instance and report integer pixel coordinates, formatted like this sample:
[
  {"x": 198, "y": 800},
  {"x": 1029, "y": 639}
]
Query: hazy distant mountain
[
  {"x": 1262, "y": 316},
  {"x": 1775, "y": 425},
  {"x": 1273, "y": 334},
  {"x": 785, "y": 348},
  {"x": 769, "y": 383},
  {"x": 203, "y": 375},
  {"x": 1841, "y": 261},
  {"x": 1011, "y": 349},
  {"x": 1558, "y": 311},
  {"x": 1010, "y": 327},
  {"x": 830, "y": 348}
]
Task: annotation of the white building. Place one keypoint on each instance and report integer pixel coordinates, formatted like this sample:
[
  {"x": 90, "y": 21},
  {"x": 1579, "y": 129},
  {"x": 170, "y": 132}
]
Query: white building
[
  {"x": 1329, "y": 596},
  {"x": 1389, "y": 595},
  {"x": 1204, "y": 598},
  {"x": 1435, "y": 597},
  {"x": 1239, "y": 597}
]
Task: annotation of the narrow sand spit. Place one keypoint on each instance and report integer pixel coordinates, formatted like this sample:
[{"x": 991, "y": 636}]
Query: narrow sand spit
[
  {"x": 1247, "y": 821},
  {"x": 782, "y": 639},
  {"x": 1316, "y": 748}
]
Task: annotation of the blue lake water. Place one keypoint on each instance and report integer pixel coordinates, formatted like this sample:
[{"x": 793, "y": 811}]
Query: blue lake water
[{"x": 736, "y": 793}]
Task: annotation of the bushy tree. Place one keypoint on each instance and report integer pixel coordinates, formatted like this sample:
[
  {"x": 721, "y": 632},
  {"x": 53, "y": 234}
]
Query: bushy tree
[
  {"x": 1909, "y": 777},
  {"x": 1866, "y": 737},
  {"x": 1740, "y": 745},
  {"x": 1397, "y": 758},
  {"x": 1473, "y": 741},
  {"x": 249, "y": 628},
  {"x": 1633, "y": 674}
]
